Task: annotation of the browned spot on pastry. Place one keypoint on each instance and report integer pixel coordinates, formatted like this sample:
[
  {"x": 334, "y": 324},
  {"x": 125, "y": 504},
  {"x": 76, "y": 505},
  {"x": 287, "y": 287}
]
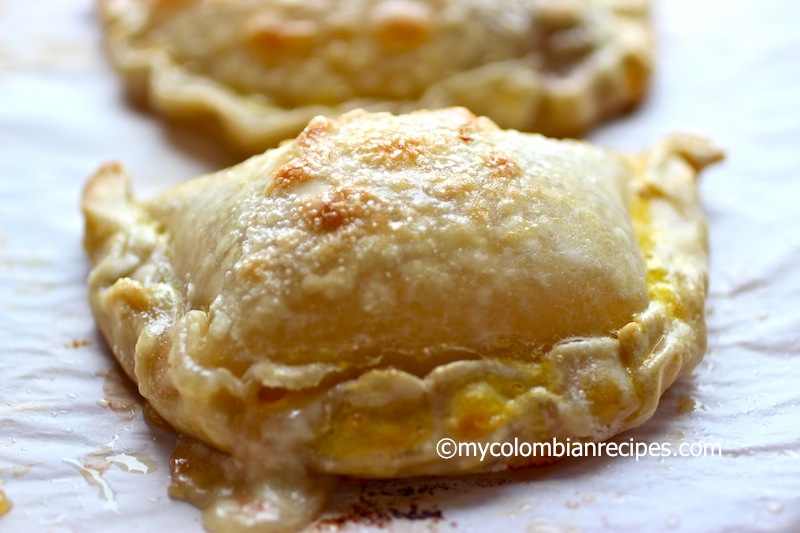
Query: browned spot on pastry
[
  {"x": 501, "y": 165},
  {"x": 333, "y": 209},
  {"x": 272, "y": 38},
  {"x": 254, "y": 268},
  {"x": 318, "y": 128},
  {"x": 401, "y": 24},
  {"x": 291, "y": 174},
  {"x": 166, "y": 8},
  {"x": 393, "y": 151}
]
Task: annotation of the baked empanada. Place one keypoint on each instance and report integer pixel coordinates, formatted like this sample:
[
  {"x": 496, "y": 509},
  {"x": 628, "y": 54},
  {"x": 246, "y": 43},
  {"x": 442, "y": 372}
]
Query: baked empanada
[
  {"x": 263, "y": 68},
  {"x": 341, "y": 303}
]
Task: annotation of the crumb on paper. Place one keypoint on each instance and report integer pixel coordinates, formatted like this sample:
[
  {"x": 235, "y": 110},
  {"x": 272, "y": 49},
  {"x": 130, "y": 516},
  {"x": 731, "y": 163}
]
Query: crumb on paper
[{"x": 77, "y": 343}]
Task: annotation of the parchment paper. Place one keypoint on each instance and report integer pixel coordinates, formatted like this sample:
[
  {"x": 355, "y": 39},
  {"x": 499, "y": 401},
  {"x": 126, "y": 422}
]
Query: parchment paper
[{"x": 77, "y": 455}]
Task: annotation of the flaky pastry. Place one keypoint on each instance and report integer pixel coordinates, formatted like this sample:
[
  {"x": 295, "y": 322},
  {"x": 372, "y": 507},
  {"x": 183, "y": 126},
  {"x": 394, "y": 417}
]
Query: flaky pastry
[
  {"x": 341, "y": 303},
  {"x": 260, "y": 69}
]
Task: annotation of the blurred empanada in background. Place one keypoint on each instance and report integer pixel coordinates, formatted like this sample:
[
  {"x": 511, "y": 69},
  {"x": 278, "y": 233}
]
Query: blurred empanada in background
[
  {"x": 341, "y": 303},
  {"x": 256, "y": 71}
]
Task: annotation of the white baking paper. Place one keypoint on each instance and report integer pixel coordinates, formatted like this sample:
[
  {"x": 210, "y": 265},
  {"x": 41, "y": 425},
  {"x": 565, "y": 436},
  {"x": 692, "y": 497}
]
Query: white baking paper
[{"x": 77, "y": 455}]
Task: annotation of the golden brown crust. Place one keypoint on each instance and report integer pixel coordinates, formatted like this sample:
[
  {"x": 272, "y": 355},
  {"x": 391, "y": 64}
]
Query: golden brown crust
[
  {"x": 262, "y": 68},
  {"x": 341, "y": 303}
]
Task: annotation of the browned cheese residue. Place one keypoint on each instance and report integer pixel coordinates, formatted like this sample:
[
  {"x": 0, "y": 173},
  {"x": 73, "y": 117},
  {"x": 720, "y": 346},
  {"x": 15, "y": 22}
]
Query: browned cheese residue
[
  {"x": 381, "y": 504},
  {"x": 198, "y": 473},
  {"x": 120, "y": 394}
]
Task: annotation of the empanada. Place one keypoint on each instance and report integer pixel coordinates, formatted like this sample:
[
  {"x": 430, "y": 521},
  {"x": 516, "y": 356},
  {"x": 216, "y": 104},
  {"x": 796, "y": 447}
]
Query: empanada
[
  {"x": 262, "y": 68},
  {"x": 341, "y": 303}
]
